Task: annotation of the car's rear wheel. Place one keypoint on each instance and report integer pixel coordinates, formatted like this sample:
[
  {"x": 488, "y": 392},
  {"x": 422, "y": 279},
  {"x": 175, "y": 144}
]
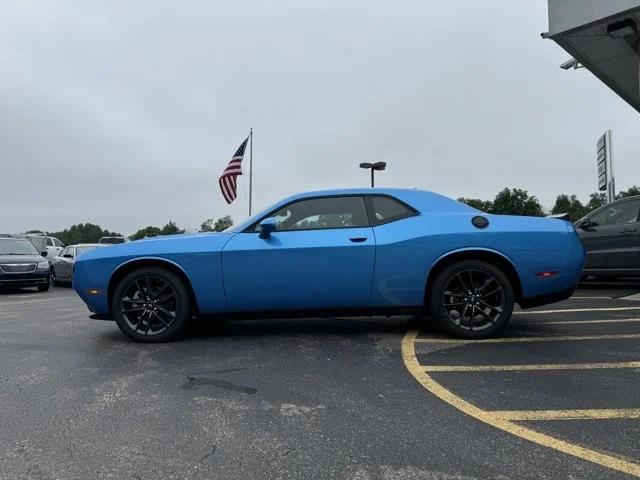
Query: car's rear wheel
[
  {"x": 152, "y": 304},
  {"x": 471, "y": 299}
]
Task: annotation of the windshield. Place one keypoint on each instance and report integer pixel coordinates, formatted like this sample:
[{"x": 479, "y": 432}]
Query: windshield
[
  {"x": 86, "y": 248},
  {"x": 17, "y": 246}
]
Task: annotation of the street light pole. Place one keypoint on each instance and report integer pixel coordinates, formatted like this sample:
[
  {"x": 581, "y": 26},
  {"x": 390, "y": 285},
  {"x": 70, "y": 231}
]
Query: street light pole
[{"x": 373, "y": 167}]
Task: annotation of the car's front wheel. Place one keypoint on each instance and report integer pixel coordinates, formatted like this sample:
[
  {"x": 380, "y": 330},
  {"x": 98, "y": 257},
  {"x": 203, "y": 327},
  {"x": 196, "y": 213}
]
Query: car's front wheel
[
  {"x": 471, "y": 299},
  {"x": 152, "y": 304}
]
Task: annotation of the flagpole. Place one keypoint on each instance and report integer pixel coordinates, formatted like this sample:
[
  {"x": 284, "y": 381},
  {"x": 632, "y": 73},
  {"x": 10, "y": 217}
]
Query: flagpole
[{"x": 250, "y": 167}]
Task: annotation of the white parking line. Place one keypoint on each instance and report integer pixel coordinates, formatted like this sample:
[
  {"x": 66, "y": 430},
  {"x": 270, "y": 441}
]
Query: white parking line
[
  {"x": 577, "y": 298},
  {"x": 564, "y": 338},
  {"x": 574, "y": 310}
]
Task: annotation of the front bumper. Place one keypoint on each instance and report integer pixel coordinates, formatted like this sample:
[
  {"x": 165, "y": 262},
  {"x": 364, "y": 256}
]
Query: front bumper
[{"x": 24, "y": 279}]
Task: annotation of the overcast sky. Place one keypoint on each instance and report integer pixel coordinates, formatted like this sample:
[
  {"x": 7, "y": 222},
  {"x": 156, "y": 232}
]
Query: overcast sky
[{"x": 124, "y": 113}]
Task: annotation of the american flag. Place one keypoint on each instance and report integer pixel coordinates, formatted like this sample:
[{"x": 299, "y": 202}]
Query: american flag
[{"x": 228, "y": 180}]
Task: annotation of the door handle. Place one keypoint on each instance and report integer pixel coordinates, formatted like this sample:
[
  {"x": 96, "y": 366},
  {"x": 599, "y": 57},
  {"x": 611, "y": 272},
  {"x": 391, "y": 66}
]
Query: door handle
[
  {"x": 358, "y": 239},
  {"x": 628, "y": 230}
]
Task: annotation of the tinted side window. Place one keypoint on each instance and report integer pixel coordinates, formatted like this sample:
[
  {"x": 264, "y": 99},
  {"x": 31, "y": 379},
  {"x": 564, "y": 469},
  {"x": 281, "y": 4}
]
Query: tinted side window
[
  {"x": 317, "y": 213},
  {"x": 619, "y": 213},
  {"x": 49, "y": 242},
  {"x": 386, "y": 209}
]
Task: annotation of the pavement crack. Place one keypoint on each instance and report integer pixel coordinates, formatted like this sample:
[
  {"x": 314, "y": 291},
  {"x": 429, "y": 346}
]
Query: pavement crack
[{"x": 213, "y": 450}]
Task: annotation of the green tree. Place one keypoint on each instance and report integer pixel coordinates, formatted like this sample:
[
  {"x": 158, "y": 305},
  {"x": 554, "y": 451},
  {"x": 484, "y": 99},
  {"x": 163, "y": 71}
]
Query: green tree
[
  {"x": 482, "y": 205},
  {"x": 631, "y": 192},
  {"x": 83, "y": 233},
  {"x": 171, "y": 229},
  {"x": 596, "y": 200},
  {"x": 569, "y": 204},
  {"x": 516, "y": 201},
  {"x": 223, "y": 223},
  {"x": 145, "y": 232},
  {"x": 216, "y": 226}
]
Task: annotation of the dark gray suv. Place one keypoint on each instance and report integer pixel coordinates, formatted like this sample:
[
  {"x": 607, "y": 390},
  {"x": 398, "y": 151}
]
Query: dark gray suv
[{"x": 611, "y": 236}]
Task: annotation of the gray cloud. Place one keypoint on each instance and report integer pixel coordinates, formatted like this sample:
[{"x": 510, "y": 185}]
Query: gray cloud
[{"x": 124, "y": 113}]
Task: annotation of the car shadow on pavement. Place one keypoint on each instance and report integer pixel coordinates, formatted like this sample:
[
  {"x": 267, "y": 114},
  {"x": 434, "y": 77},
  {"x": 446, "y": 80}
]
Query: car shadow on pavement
[
  {"x": 613, "y": 288},
  {"x": 346, "y": 326},
  {"x": 6, "y": 291}
]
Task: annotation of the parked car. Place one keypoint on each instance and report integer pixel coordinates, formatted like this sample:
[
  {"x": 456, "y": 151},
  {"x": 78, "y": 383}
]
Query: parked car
[
  {"x": 54, "y": 246},
  {"x": 62, "y": 265},
  {"x": 356, "y": 251},
  {"x": 22, "y": 265},
  {"x": 611, "y": 237},
  {"x": 111, "y": 240}
]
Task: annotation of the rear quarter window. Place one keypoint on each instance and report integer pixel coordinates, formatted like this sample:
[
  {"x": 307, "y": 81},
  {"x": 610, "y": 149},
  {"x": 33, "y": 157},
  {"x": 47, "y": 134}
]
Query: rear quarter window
[{"x": 388, "y": 209}]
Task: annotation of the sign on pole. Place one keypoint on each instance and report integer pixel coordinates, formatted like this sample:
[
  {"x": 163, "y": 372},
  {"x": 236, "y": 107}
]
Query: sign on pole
[{"x": 604, "y": 162}]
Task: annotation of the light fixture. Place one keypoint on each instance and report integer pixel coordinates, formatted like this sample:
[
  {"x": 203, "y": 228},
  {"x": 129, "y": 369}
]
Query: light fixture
[
  {"x": 373, "y": 167},
  {"x": 571, "y": 63}
]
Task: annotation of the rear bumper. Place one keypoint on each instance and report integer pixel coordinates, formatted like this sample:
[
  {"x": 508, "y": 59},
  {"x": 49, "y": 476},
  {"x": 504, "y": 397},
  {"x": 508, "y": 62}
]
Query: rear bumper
[{"x": 24, "y": 279}]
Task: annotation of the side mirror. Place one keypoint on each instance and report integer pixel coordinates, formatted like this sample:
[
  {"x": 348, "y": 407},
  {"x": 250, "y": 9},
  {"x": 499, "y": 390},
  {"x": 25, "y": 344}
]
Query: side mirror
[
  {"x": 44, "y": 253},
  {"x": 67, "y": 255},
  {"x": 585, "y": 224},
  {"x": 267, "y": 226}
]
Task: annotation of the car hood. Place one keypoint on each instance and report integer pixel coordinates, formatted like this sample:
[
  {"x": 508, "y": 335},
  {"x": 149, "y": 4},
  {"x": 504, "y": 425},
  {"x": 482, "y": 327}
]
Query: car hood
[
  {"x": 162, "y": 245},
  {"x": 11, "y": 259}
]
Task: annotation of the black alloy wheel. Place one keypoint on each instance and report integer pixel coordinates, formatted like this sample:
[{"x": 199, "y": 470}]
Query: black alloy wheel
[
  {"x": 472, "y": 299},
  {"x": 151, "y": 305}
]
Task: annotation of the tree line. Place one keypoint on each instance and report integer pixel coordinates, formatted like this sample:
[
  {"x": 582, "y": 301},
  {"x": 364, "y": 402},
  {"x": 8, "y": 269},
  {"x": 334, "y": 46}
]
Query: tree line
[
  {"x": 516, "y": 201},
  {"x": 91, "y": 233}
]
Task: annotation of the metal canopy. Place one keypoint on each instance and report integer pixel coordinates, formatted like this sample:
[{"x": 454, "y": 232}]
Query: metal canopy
[{"x": 601, "y": 35}]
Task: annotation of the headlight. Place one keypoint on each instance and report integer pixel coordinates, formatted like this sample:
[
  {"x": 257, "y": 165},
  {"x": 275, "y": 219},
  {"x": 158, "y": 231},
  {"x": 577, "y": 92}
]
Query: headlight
[{"x": 43, "y": 266}]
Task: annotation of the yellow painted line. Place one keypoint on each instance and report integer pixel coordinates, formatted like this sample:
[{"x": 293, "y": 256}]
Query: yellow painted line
[
  {"x": 577, "y": 322},
  {"x": 572, "y": 310},
  {"x": 516, "y": 368},
  {"x": 411, "y": 362},
  {"x": 589, "y": 414},
  {"x": 564, "y": 338}
]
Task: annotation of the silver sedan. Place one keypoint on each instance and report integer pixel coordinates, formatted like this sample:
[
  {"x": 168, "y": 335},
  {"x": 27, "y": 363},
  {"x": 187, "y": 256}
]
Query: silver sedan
[{"x": 62, "y": 264}]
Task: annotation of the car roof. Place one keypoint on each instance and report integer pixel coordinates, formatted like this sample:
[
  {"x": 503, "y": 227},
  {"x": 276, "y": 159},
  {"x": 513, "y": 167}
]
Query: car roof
[
  {"x": 423, "y": 201},
  {"x": 416, "y": 198},
  {"x": 87, "y": 245}
]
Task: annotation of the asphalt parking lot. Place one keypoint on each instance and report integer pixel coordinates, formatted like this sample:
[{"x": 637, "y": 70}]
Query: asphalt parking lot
[{"x": 557, "y": 398}]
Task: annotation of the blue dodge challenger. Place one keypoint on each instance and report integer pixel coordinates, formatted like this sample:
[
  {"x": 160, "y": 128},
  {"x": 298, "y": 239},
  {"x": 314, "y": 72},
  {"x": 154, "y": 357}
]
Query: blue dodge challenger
[{"x": 349, "y": 252}]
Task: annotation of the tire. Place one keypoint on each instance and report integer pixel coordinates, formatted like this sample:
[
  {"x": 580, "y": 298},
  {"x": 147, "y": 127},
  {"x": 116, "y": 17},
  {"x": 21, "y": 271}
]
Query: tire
[
  {"x": 43, "y": 288},
  {"x": 54, "y": 280},
  {"x": 491, "y": 299},
  {"x": 141, "y": 314}
]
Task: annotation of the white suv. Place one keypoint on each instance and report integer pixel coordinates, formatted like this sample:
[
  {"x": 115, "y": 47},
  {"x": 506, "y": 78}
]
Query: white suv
[{"x": 54, "y": 246}]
